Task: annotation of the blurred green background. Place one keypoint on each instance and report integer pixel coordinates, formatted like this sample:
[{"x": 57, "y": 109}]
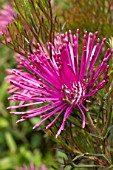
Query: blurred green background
[{"x": 19, "y": 144}]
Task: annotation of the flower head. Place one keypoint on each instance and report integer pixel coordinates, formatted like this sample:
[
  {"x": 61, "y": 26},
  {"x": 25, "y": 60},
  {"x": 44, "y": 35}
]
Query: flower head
[
  {"x": 61, "y": 83},
  {"x": 6, "y": 16}
]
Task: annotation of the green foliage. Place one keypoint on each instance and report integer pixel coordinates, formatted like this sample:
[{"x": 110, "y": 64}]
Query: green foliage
[
  {"x": 89, "y": 15},
  {"x": 19, "y": 144},
  {"x": 34, "y": 23}
]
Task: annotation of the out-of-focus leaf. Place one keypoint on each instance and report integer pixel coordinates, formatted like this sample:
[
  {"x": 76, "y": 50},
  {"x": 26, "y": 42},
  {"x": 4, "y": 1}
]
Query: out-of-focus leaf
[
  {"x": 10, "y": 142},
  {"x": 3, "y": 123},
  {"x": 6, "y": 163},
  {"x": 35, "y": 120},
  {"x": 3, "y": 91}
]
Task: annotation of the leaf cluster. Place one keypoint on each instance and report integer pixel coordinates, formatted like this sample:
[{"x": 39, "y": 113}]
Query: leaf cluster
[{"x": 34, "y": 23}]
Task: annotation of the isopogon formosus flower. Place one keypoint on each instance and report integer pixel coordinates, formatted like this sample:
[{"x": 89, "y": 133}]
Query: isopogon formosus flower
[{"x": 61, "y": 82}]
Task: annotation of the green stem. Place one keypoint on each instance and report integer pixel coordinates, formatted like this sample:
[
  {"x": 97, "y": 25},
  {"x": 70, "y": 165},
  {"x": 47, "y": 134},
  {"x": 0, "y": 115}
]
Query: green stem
[
  {"x": 110, "y": 167},
  {"x": 88, "y": 166},
  {"x": 91, "y": 124},
  {"x": 94, "y": 131},
  {"x": 109, "y": 117}
]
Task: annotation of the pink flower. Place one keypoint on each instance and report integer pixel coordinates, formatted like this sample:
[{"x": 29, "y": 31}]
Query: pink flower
[
  {"x": 111, "y": 8},
  {"x": 61, "y": 83},
  {"x": 32, "y": 167},
  {"x": 6, "y": 16},
  {"x": 55, "y": 8}
]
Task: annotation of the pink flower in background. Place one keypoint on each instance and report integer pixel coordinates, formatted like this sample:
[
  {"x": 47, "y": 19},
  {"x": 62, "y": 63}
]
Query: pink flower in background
[
  {"x": 52, "y": 1},
  {"x": 55, "y": 8},
  {"x": 32, "y": 167},
  {"x": 60, "y": 83},
  {"x": 6, "y": 16},
  {"x": 111, "y": 7}
]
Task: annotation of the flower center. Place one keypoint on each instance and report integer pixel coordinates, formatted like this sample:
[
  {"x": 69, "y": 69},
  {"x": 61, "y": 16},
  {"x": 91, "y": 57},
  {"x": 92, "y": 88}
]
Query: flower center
[{"x": 74, "y": 94}]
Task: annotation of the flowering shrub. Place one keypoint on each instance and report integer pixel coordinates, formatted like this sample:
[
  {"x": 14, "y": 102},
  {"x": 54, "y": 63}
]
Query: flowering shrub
[{"x": 65, "y": 84}]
